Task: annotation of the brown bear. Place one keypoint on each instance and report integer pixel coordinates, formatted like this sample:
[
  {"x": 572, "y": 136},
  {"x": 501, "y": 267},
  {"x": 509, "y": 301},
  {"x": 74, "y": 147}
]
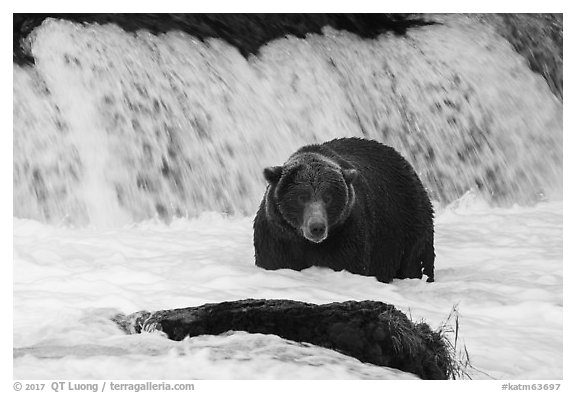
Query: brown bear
[{"x": 351, "y": 204}]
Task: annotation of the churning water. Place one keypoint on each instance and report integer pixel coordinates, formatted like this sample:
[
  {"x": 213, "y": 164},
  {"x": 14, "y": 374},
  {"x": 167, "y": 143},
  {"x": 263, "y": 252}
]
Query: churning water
[{"x": 113, "y": 127}]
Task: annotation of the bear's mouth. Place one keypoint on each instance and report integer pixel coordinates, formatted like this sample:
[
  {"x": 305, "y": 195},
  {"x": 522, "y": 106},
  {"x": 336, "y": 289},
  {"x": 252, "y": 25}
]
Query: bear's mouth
[{"x": 315, "y": 239}]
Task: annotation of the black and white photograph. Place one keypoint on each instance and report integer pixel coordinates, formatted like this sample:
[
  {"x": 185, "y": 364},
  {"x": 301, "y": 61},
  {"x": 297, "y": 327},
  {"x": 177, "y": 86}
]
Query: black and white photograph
[{"x": 287, "y": 196}]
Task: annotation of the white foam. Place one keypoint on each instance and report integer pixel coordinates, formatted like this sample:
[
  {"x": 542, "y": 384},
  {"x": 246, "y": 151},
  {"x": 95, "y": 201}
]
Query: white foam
[{"x": 501, "y": 267}]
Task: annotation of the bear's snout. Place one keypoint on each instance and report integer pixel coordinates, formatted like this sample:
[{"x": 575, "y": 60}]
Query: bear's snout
[
  {"x": 316, "y": 230},
  {"x": 315, "y": 226}
]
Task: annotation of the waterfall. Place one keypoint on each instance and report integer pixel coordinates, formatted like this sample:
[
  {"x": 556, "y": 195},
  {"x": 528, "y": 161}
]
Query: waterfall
[{"x": 112, "y": 127}]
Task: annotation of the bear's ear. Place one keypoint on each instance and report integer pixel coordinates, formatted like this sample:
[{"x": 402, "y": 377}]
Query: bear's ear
[
  {"x": 272, "y": 174},
  {"x": 350, "y": 175}
]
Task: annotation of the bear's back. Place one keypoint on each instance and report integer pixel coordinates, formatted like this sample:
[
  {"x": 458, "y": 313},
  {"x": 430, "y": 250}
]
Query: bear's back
[
  {"x": 395, "y": 189},
  {"x": 366, "y": 153}
]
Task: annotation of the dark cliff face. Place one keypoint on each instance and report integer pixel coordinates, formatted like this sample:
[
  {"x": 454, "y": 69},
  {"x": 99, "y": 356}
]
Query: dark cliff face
[{"x": 247, "y": 32}]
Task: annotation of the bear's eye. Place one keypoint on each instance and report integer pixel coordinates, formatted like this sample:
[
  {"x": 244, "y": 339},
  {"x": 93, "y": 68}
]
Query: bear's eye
[{"x": 327, "y": 198}]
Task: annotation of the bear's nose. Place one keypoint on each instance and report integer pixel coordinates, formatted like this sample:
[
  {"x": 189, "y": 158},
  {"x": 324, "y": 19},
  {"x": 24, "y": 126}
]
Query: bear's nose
[{"x": 317, "y": 228}]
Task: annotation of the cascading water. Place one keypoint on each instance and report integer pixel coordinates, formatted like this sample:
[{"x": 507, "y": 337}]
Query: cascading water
[{"x": 113, "y": 127}]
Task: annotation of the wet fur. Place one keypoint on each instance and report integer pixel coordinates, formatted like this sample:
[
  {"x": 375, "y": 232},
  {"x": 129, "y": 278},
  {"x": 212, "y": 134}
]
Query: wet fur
[{"x": 385, "y": 229}]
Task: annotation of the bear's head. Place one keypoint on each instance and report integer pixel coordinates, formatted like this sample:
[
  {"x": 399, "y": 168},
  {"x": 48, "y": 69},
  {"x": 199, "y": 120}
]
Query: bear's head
[{"x": 312, "y": 193}]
